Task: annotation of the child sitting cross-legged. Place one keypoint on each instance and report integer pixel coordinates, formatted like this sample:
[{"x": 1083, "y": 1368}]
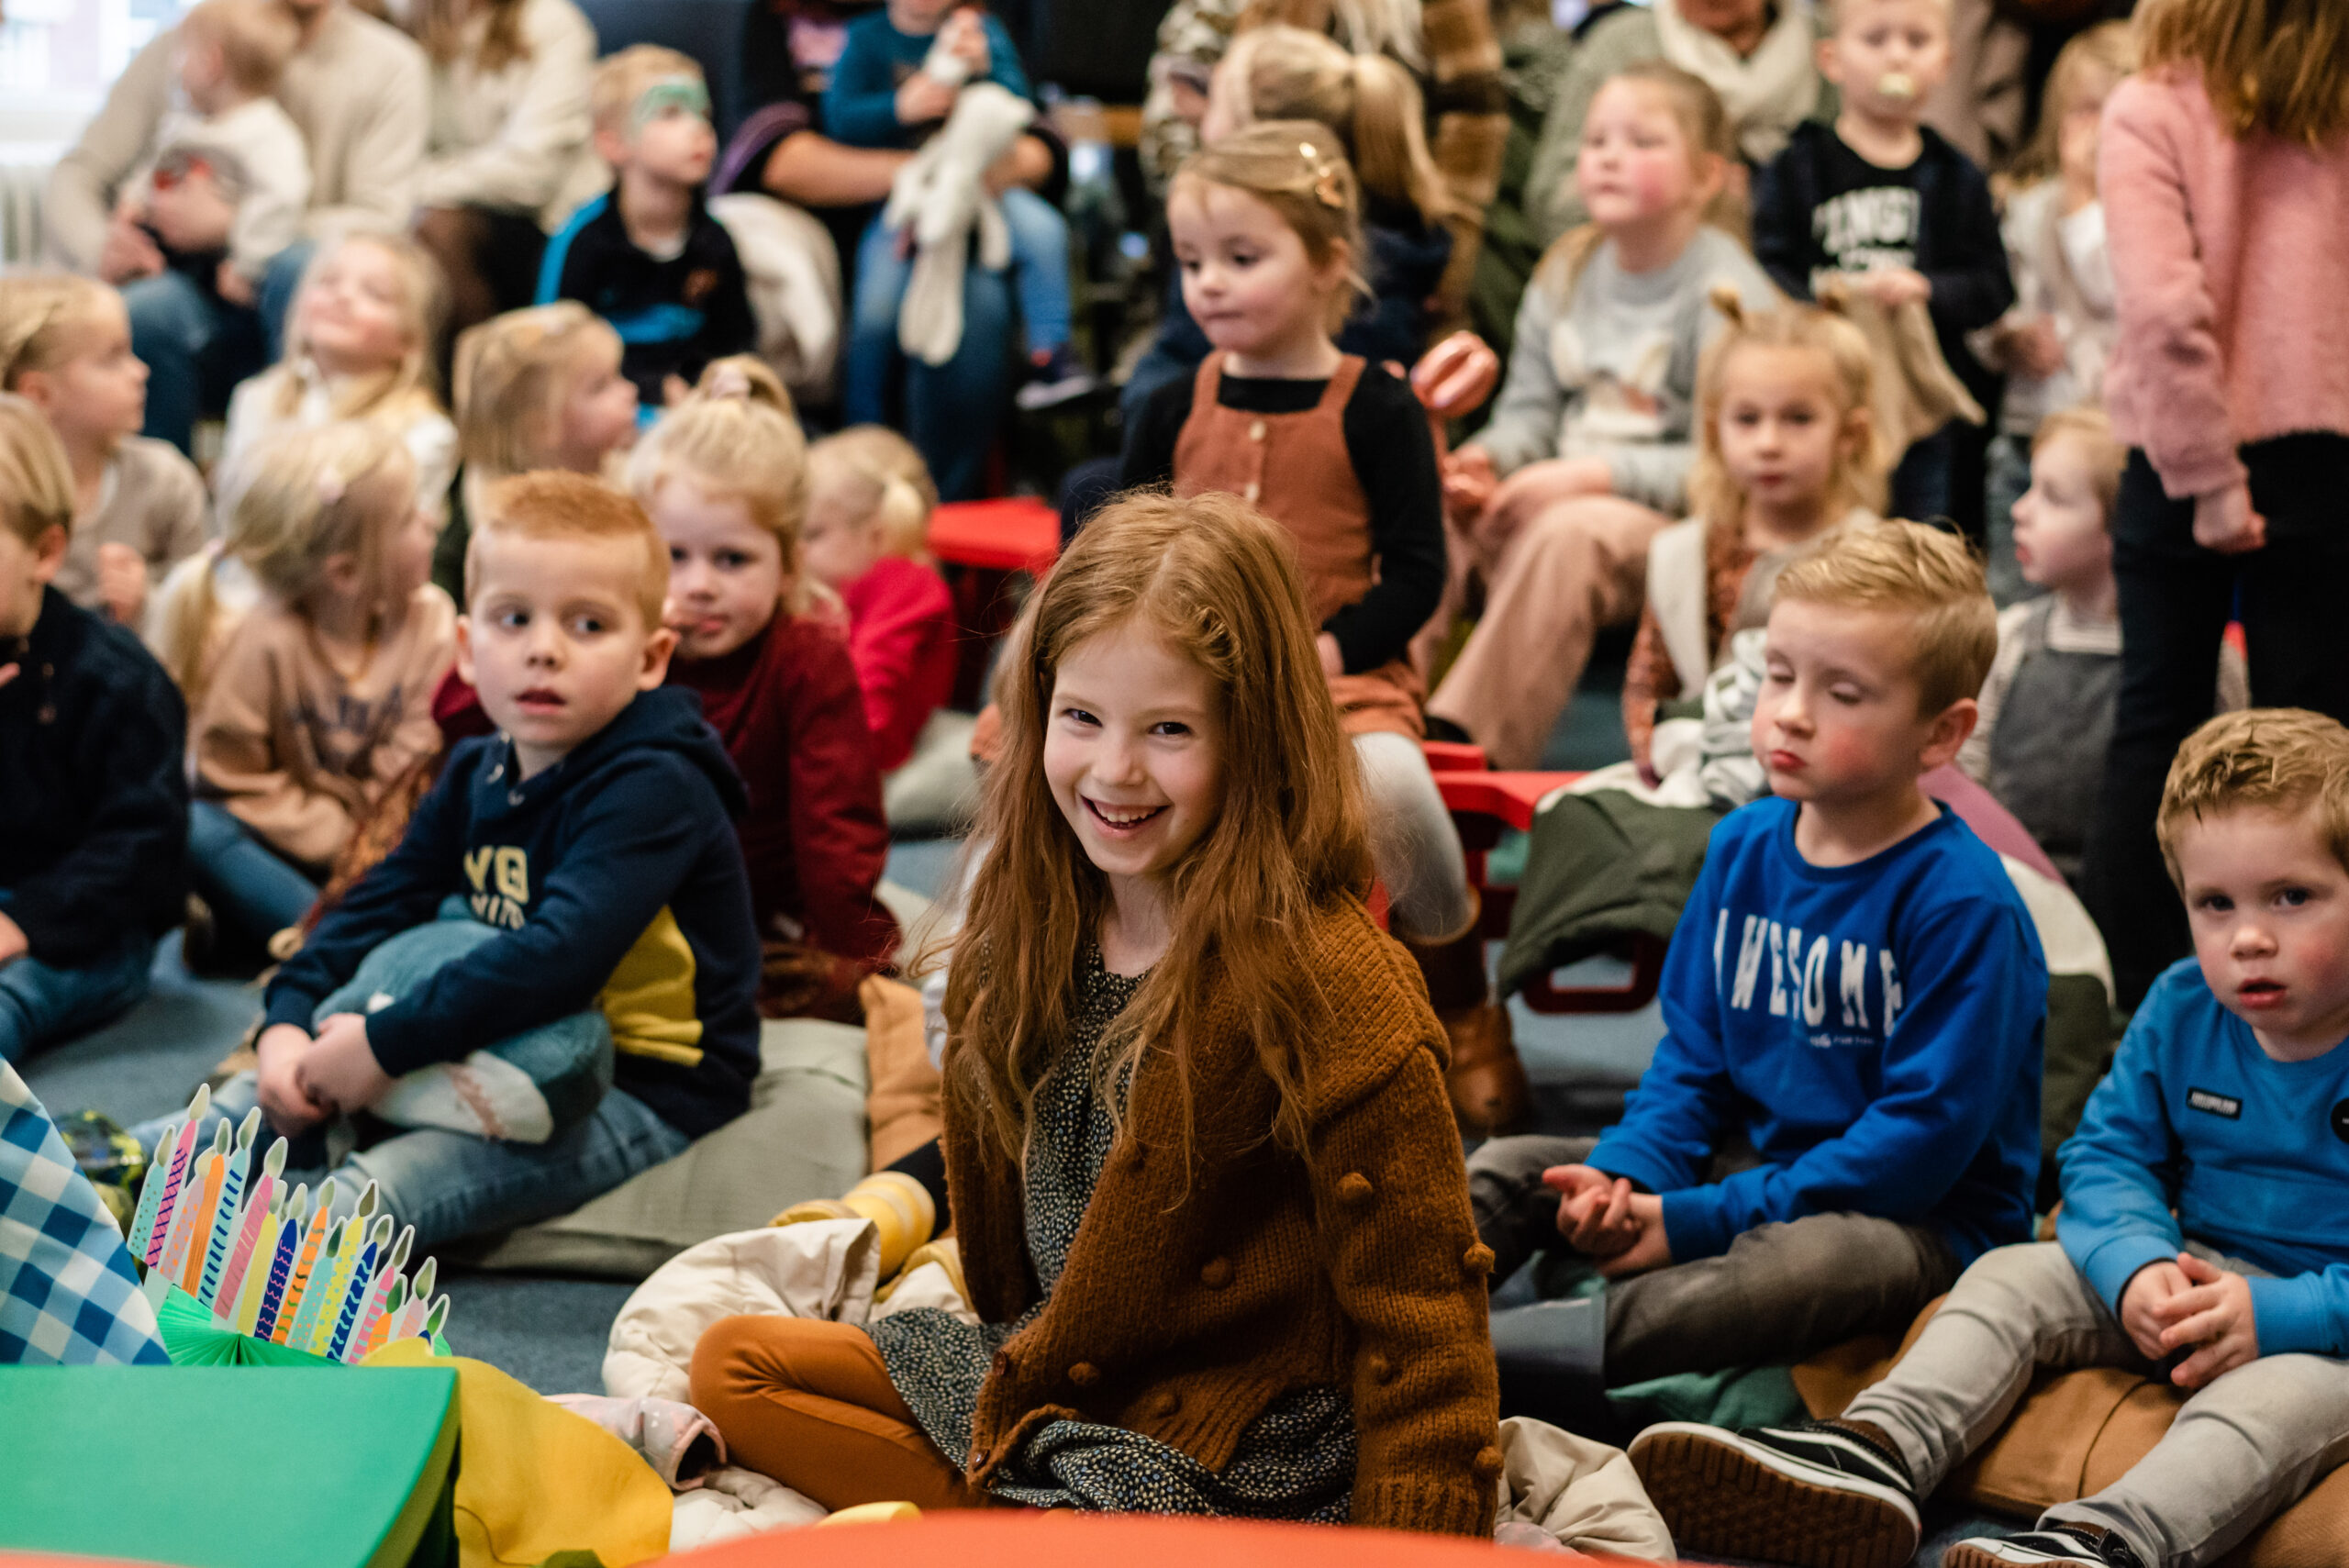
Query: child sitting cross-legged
[
  {"x": 594, "y": 833},
  {"x": 1854, "y": 987},
  {"x": 2199, "y": 1241},
  {"x": 1203, "y": 1170}
]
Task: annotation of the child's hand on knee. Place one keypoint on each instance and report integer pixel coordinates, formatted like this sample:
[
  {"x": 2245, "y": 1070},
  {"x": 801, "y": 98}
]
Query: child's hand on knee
[
  {"x": 2143, "y": 1301},
  {"x": 288, "y": 1106},
  {"x": 339, "y": 1070},
  {"x": 2213, "y": 1312},
  {"x": 1595, "y": 1209}
]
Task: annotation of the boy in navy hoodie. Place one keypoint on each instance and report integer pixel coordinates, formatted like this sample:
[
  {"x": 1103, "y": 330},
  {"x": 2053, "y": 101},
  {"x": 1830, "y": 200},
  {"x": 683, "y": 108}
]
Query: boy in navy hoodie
[
  {"x": 1854, "y": 989},
  {"x": 595, "y": 829},
  {"x": 2202, "y": 1237}
]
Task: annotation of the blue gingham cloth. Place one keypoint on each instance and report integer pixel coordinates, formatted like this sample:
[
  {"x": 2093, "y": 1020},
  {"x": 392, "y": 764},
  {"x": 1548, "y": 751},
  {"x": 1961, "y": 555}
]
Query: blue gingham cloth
[{"x": 68, "y": 1294}]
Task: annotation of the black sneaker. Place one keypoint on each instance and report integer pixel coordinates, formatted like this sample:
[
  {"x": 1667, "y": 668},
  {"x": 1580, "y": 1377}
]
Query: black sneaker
[
  {"x": 1815, "y": 1494},
  {"x": 1055, "y": 376},
  {"x": 2087, "y": 1544}
]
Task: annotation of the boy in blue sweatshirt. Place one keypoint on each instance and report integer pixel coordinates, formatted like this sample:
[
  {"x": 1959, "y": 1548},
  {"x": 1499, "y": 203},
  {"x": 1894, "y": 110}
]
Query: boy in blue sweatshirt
[
  {"x": 2204, "y": 1236},
  {"x": 594, "y": 832},
  {"x": 1854, "y": 989}
]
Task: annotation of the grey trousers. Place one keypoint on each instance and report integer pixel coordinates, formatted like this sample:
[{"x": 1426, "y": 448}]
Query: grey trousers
[
  {"x": 2242, "y": 1448},
  {"x": 1780, "y": 1293}
]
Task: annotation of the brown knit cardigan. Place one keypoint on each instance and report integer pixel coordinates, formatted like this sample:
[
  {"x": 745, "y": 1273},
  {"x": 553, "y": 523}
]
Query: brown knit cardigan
[{"x": 1188, "y": 1306}]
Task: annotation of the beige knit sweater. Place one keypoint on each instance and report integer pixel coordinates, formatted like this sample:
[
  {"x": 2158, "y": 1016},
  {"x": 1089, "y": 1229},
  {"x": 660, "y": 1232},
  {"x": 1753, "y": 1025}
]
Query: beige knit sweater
[
  {"x": 357, "y": 93},
  {"x": 152, "y": 501},
  {"x": 1192, "y": 1301}
]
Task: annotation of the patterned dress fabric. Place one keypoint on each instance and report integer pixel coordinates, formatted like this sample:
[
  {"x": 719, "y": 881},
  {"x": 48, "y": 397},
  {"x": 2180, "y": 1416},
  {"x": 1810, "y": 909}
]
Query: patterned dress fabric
[{"x": 1296, "y": 1461}]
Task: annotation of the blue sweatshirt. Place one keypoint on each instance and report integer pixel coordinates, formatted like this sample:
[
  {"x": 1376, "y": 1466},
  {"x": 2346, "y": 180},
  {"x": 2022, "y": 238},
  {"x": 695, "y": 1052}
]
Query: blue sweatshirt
[
  {"x": 861, "y": 104},
  {"x": 2253, "y": 1152},
  {"x": 618, "y": 879},
  {"x": 1875, "y": 1030}
]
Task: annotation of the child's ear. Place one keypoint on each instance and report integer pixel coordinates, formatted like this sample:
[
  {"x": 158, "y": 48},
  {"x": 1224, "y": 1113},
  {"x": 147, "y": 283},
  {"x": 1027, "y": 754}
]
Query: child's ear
[
  {"x": 655, "y": 668},
  {"x": 49, "y": 555},
  {"x": 342, "y": 573},
  {"x": 612, "y": 146},
  {"x": 1712, "y": 173},
  {"x": 465, "y": 650},
  {"x": 1948, "y": 734},
  {"x": 1830, "y": 61},
  {"x": 1859, "y": 426},
  {"x": 38, "y": 388}
]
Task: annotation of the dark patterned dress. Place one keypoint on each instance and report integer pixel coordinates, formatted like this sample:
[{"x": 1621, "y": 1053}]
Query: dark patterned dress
[{"x": 1295, "y": 1462}]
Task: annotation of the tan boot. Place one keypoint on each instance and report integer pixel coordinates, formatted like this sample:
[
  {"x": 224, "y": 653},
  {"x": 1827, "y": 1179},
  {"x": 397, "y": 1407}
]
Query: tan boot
[{"x": 1489, "y": 1093}]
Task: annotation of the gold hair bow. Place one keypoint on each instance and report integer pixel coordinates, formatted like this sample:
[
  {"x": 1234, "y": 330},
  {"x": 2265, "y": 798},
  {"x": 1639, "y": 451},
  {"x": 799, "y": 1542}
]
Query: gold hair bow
[{"x": 1326, "y": 188}]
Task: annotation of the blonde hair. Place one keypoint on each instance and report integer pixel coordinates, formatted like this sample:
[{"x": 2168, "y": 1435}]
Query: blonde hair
[
  {"x": 1295, "y": 168},
  {"x": 746, "y": 376},
  {"x": 256, "y": 39},
  {"x": 339, "y": 489},
  {"x": 1858, "y": 478},
  {"x": 36, "y": 482},
  {"x": 2274, "y": 758},
  {"x": 1287, "y": 74},
  {"x": 2278, "y": 66},
  {"x": 39, "y": 313},
  {"x": 734, "y": 446},
  {"x": 621, "y": 79},
  {"x": 1704, "y": 123},
  {"x": 513, "y": 374},
  {"x": 2107, "y": 48},
  {"x": 1364, "y": 27},
  {"x": 555, "y": 504},
  {"x": 2089, "y": 424},
  {"x": 1929, "y": 576},
  {"x": 440, "y": 26},
  {"x": 402, "y": 393},
  {"x": 1835, "y": 12},
  {"x": 880, "y": 476}
]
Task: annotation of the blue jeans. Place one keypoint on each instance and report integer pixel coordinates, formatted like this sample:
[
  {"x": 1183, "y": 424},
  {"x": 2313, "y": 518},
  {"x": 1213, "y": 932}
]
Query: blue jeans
[
  {"x": 1922, "y": 484},
  {"x": 949, "y": 412},
  {"x": 450, "y": 1186},
  {"x": 197, "y": 345},
  {"x": 254, "y": 892},
  {"x": 41, "y": 1006}
]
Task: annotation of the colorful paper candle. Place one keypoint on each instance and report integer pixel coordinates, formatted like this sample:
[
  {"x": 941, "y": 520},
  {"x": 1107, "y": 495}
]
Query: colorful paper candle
[
  {"x": 244, "y": 1308},
  {"x": 150, "y": 1192},
  {"x": 281, "y": 1263},
  {"x": 433, "y": 1319},
  {"x": 306, "y": 1261},
  {"x": 172, "y": 1158},
  {"x": 379, "y": 1292},
  {"x": 256, "y": 1208},
  {"x": 336, "y": 1280},
  {"x": 205, "y": 1197},
  {"x": 192, "y": 1203},
  {"x": 355, "y": 1295},
  {"x": 419, "y": 1296},
  {"x": 222, "y": 1235},
  {"x": 313, "y": 1303},
  {"x": 380, "y": 1333}
]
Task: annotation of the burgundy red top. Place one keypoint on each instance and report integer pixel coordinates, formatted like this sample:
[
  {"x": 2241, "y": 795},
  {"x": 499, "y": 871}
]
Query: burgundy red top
[{"x": 901, "y": 640}]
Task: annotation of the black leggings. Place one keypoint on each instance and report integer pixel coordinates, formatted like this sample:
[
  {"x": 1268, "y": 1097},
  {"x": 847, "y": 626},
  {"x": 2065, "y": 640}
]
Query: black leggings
[{"x": 2292, "y": 597}]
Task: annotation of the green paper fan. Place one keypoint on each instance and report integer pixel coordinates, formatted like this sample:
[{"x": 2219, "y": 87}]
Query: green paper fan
[{"x": 193, "y": 1337}]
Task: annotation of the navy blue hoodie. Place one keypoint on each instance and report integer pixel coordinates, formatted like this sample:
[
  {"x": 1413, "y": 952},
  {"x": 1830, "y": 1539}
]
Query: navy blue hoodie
[{"x": 619, "y": 883}]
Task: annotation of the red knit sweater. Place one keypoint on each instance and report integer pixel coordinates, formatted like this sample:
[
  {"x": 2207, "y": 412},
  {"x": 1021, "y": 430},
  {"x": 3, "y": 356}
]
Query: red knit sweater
[
  {"x": 901, "y": 638},
  {"x": 788, "y": 707}
]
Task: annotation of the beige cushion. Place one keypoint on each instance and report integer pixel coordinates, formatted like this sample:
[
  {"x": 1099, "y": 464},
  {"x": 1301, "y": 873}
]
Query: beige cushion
[{"x": 802, "y": 1138}]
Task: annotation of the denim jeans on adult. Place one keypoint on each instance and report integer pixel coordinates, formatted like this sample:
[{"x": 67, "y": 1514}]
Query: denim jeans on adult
[
  {"x": 254, "y": 892},
  {"x": 949, "y": 412},
  {"x": 448, "y": 1184},
  {"x": 2176, "y": 600},
  {"x": 42, "y": 1005},
  {"x": 197, "y": 345}
]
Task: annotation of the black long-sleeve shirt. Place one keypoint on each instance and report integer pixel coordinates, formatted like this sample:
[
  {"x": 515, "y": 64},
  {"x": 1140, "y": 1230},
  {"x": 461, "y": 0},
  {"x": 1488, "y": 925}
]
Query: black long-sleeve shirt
[{"x": 1393, "y": 455}]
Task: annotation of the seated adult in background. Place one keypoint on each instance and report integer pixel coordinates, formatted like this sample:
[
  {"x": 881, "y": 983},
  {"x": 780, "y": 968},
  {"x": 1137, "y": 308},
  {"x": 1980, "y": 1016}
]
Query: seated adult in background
[
  {"x": 950, "y": 411},
  {"x": 505, "y": 153},
  {"x": 356, "y": 89}
]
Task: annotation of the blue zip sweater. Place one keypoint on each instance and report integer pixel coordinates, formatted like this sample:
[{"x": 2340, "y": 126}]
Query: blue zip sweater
[
  {"x": 2253, "y": 1153},
  {"x": 1875, "y": 1030},
  {"x": 618, "y": 879},
  {"x": 861, "y": 102}
]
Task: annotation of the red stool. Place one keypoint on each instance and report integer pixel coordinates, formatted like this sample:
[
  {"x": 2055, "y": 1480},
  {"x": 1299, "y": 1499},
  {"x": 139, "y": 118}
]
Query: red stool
[{"x": 989, "y": 540}]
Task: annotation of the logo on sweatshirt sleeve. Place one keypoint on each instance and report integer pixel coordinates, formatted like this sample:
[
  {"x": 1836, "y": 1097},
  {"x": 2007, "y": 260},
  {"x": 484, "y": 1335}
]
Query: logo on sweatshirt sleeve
[{"x": 2216, "y": 1104}]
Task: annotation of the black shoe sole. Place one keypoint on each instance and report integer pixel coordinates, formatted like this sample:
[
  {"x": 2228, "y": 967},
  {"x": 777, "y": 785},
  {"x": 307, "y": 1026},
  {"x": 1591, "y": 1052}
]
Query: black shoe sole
[{"x": 1720, "y": 1499}]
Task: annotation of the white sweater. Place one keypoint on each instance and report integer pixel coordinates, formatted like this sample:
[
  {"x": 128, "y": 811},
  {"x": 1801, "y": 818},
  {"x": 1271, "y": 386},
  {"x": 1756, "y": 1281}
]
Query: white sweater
[
  {"x": 516, "y": 139},
  {"x": 262, "y": 160}
]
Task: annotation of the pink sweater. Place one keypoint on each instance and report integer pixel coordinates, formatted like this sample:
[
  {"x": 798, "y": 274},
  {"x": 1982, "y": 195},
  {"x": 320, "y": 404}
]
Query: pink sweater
[{"x": 2232, "y": 262}]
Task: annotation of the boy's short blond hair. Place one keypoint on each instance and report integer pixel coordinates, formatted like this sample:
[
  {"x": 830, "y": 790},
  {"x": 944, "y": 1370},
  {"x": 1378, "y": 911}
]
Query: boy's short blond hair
[
  {"x": 257, "y": 37},
  {"x": 36, "y": 482},
  {"x": 1923, "y": 572},
  {"x": 1838, "y": 11},
  {"x": 551, "y": 504},
  {"x": 2275, "y": 759},
  {"x": 2089, "y": 424},
  {"x": 620, "y": 80}
]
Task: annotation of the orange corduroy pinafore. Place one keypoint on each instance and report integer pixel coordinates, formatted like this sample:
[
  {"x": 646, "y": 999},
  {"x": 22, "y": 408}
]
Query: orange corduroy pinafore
[{"x": 1294, "y": 468}]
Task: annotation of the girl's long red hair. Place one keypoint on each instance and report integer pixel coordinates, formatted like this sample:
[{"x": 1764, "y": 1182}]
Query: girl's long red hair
[{"x": 1216, "y": 579}]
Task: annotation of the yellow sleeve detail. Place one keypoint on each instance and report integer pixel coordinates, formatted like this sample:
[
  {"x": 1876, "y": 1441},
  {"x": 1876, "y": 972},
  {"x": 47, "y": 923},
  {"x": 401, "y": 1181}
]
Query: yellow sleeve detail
[{"x": 649, "y": 1000}]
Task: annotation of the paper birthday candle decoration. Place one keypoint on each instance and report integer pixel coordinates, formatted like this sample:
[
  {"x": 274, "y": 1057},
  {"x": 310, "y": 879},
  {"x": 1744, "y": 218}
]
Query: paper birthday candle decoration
[
  {"x": 192, "y": 1200},
  {"x": 306, "y": 1311},
  {"x": 223, "y": 1227},
  {"x": 362, "y": 1281},
  {"x": 379, "y": 1294},
  {"x": 330, "y": 1284},
  {"x": 380, "y": 1333},
  {"x": 280, "y": 1264},
  {"x": 244, "y": 1306},
  {"x": 434, "y": 1318},
  {"x": 419, "y": 1296},
  {"x": 306, "y": 1261},
  {"x": 168, "y": 1168},
  {"x": 257, "y": 1208}
]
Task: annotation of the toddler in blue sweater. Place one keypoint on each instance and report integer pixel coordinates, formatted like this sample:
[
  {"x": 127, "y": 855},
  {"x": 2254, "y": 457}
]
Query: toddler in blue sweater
[
  {"x": 2202, "y": 1237},
  {"x": 1854, "y": 989}
]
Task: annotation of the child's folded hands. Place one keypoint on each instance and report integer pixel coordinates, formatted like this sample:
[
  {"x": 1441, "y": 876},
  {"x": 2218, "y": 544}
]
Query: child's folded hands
[
  {"x": 339, "y": 1070},
  {"x": 288, "y": 1105},
  {"x": 2214, "y": 1313}
]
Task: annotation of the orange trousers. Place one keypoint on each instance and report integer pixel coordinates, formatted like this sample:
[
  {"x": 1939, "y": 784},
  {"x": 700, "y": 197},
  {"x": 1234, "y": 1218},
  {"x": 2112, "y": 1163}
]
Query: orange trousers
[{"x": 809, "y": 1403}]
